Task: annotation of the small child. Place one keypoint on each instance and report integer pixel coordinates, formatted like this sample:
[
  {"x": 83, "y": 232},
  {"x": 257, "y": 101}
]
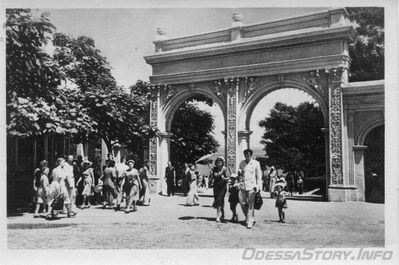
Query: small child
[
  {"x": 233, "y": 197},
  {"x": 281, "y": 202}
]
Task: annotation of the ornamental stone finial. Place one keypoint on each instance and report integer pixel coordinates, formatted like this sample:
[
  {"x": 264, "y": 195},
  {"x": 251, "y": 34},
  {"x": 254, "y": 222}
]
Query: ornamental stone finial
[
  {"x": 237, "y": 19},
  {"x": 161, "y": 33}
]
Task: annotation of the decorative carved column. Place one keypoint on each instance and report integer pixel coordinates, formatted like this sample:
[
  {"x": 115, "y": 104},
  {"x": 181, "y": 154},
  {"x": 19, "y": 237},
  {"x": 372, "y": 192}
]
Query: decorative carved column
[
  {"x": 243, "y": 143},
  {"x": 338, "y": 190},
  {"x": 154, "y": 106},
  {"x": 232, "y": 85},
  {"x": 359, "y": 171},
  {"x": 335, "y": 120}
]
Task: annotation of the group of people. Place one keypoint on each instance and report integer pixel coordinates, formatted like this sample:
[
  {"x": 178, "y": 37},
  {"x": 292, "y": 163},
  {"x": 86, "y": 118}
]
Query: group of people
[
  {"x": 288, "y": 183},
  {"x": 71, "y": 178},
  {"x": 243, "y": 188},
  {"x": 122, "y": 181}
]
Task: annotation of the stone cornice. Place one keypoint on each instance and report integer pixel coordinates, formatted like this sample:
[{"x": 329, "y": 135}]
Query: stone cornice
[
  {"x": 331, "y": 18},
  {"x": 364, "y": 88},
  {"x": 287, "y": 39},
  {"x": 262, "y": 69}
]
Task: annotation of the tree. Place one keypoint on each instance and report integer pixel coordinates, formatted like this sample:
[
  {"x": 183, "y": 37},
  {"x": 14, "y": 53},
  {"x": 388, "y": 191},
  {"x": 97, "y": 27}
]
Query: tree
[
  {"x": 367, "y": 52},
  {"x": 117, "y": 116},
  {"x": 293, "y": 138},
  {"x": 37, "y": 103},
  {"x": 191, "y": 133}
]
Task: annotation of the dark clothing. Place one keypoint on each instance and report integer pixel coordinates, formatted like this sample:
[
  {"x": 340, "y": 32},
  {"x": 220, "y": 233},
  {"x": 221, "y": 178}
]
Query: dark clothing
[
  {"x": 170, "y": 175},
  {"x": 233, "y": 197},
  {"x": 219, "y": 188}
]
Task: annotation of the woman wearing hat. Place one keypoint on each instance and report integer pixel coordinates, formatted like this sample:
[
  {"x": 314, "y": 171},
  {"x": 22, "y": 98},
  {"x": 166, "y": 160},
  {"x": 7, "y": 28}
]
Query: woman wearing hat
[
  {"x": 220, "y": 178},
  {"x": 131, "y": 186},
  {"x": 88, "y": 183}
]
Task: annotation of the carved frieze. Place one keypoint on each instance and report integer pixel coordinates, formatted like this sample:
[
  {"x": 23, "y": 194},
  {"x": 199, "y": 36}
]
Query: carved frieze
[
  {"x": 154, "y": 123},
  {"x": 169, "y": 91},
  {"x": 231, "y": 144},
  {"x": 313, "y": 80},
  {"x": 250, "y": 87}
]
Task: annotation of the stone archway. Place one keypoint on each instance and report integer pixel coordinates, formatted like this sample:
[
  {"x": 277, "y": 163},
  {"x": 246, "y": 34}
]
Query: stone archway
[
  {"x": 318, "y": 95},
  {"x": 239, "y": 64}
]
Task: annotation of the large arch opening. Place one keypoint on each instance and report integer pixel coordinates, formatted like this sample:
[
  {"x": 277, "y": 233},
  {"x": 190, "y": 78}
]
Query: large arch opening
[
  {"x": 287, "y": 134},
  {"x": 196, "y": 127},
  {"x": 374, "y": 166}
]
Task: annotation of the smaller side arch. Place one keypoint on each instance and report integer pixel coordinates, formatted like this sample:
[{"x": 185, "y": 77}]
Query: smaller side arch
[
  {"x": 171, "y": 107},
  {"x": 367, "y": 128}
]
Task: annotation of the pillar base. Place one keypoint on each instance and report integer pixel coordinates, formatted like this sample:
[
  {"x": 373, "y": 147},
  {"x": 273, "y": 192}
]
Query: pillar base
[
  {"x": 341, "y": 193},
  {"x": 156, "y": 188}
]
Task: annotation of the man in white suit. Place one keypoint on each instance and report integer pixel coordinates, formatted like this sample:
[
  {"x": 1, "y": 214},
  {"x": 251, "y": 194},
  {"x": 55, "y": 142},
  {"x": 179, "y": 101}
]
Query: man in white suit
[{"x": 252, "y": 176}]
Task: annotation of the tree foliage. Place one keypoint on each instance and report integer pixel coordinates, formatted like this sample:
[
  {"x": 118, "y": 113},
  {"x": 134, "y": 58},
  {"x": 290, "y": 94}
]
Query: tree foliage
[
  {"x": 192, "y": 138},
  {"x": 367, "y": 52},
  {"x": 293, "y": 138},
  {"x": 37, "y": 103},
  {"x": 69, "y": 92},
  {"x": 117, "y": 116}
]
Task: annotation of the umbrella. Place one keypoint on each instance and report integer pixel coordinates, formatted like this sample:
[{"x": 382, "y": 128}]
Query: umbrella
[{"x": 206, "y": 159}]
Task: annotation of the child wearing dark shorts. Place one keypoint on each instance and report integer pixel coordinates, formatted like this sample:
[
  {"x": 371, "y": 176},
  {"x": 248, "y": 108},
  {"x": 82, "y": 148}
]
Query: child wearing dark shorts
[{"x": 281, "y": 202}]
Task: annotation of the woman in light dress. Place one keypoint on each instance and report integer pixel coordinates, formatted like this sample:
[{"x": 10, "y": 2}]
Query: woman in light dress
[
  {"x": 42, "y": 190},
  {"x": 131, "y": 186},
  {"x": 192, "y": 196},
  {"x": 88, "y": 183},
  {"x": 145, "y": 180}
]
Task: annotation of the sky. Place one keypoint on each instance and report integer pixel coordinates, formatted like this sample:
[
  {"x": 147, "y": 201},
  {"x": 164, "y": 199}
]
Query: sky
[{"x": 125, "y": 35}]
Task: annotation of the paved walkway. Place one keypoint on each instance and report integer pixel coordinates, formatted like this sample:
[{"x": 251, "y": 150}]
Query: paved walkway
[{"x": 167, "y": 223}]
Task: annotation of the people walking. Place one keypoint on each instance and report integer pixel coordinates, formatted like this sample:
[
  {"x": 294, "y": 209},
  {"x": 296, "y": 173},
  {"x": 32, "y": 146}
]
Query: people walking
[
  {"x": 131, "y": 186},
  {"x": 186, "y": 179},
  {"x": 68, "y": 168},
  {"x": 61, "y": 194},
  {"x": 42, "y": 191},
  {"x": 170, "y": 177},
  {"x": 88, "y": 183},
  {"x": 252, "y": 176},
  {"x": 192, "y": 196},
  {"x": 272, "y": 180},
  {"x": 108, "y": 177},
  {"x": 219, "y": 173},
  {"x": 144, "y": 175},
  {"x": 120, "y": 169}
]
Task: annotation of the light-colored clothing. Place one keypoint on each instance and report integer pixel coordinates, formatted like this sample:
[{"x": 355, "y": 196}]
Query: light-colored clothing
[
  {"x": 59, "y": 175},
  {"x": 88, "y": 182},
  {"x": 144, "y": 176},
  {"x": 132, "y": 184},
  {"x": 192, "y": 196},
  {"x": 252, "y": 176},
  {"x": 70, "y": 184},
  {"x": 43, "y": 189}
]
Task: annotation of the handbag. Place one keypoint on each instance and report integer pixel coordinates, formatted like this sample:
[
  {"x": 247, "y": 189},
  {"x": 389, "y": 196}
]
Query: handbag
[{"x": 258, "y": 201}]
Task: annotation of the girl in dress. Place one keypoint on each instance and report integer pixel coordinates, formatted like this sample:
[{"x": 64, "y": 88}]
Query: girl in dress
[
  {"x": 192, "y": 196},
  {"x": 42, "y": 190},
  {"x": 88, "y": 183},
  {"x": 220, "y": 178},
  {"x": 281, "y": 202}
]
